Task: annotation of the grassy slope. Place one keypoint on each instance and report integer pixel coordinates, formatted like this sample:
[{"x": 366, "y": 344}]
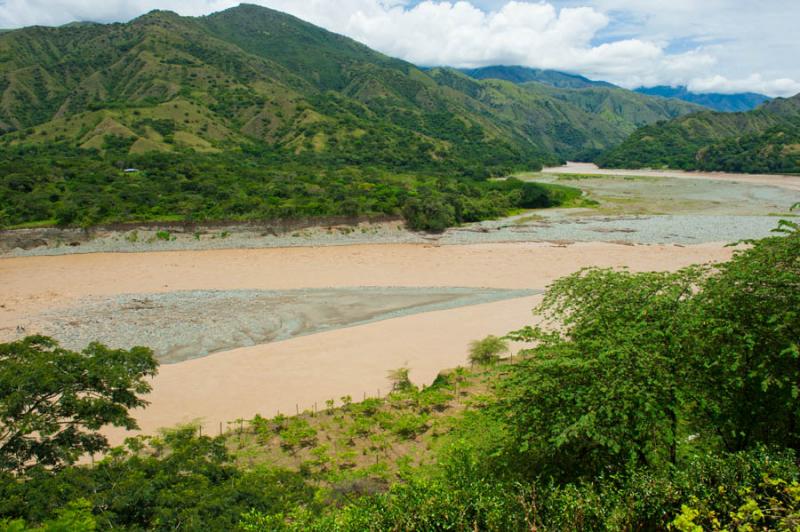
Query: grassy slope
[
  {"x": 255, "y": 75},
  {"x": 371, "y": 437}
]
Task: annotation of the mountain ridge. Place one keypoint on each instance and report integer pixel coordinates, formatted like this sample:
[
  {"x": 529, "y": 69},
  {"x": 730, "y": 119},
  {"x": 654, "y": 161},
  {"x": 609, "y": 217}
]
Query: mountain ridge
[
  {"x": 260, "y": 53},
  {"x": 745, "y": 101},
  {"x": 520, "y": 74}
]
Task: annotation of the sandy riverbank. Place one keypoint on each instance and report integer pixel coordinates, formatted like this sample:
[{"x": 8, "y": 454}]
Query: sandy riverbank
[
  {"x": 775, "y": 180},
  {"x": 277, "y": 376}
]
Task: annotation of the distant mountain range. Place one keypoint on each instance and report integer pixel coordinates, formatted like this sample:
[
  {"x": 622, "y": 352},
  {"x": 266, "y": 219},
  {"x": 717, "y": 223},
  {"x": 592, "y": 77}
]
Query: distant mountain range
[
  {"x": 719, "y": 102},
  {"x": 766, "y": 139},
  {"x": 520, "y": 74},
  {"x": 727, "y": 103}
]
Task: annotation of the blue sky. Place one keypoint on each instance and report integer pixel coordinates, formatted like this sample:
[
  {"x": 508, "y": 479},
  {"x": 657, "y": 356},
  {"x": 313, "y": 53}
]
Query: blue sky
[{"x": 709, "y": 45}]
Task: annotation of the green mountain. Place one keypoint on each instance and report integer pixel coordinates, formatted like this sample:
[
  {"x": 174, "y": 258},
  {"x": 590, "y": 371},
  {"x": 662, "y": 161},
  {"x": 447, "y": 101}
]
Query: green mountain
[
  {"x": 520, "y": 74},
  {"x": 250, "y": 74},
  {"x": 251, "y": 113},
  {"x": 575, "y": 122},
  {"x": 729, "y": 103},
  {"x": 244, "y": 75},
  {"x": 763, "y": 140}
]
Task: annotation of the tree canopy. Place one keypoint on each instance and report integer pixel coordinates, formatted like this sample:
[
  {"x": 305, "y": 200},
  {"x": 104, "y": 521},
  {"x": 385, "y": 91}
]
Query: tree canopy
[{"x": 54, "y": 401}]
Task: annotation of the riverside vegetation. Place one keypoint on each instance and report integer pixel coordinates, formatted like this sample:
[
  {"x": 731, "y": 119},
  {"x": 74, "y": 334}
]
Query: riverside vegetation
[
  {"x": 645, "y": 401},
  {"x": 69, "y": 186}
]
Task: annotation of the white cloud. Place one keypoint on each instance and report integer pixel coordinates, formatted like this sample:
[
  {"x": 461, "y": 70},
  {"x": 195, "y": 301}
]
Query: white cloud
[
  {"x": 629, "y": 42},
  {"x": 754, "y": 83}
]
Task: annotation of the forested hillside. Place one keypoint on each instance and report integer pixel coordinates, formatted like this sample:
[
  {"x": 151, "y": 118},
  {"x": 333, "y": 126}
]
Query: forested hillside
[
  {"x": 764, "y": 140},
  {"x": 255, "y": 92}
]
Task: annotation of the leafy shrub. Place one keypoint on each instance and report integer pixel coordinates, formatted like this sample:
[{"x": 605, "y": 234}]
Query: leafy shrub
[
  {"x": 429, "y": 213},
  {"x": 488, "y": 350},
  {"x": 400, "y": 380},
  {"x": 298, "y": 433},
  {"x": 410, "y": 425}
]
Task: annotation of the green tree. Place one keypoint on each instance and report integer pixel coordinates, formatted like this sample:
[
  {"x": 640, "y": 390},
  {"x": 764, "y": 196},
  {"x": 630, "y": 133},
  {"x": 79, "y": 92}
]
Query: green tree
[
  {"x": 745, "y": 369},
  {"x": 430, "y": 212},
  {"x": 605, "y": 392},
  {"x": 53, "y": 401}
]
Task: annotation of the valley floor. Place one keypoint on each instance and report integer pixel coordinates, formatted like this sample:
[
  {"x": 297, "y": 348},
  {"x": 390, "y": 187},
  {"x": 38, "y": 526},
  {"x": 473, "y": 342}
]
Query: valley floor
[
  {"x": 263, "y": 323},
  {"x": 296, "y": 373}
]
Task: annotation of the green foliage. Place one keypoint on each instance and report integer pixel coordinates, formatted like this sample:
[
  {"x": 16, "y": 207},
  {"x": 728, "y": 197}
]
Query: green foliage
[
  {"x": 429, "y": 213},
  {"x": 747, "y": 349},
  {"x": 75, "y": 517},
  {"x": 647, "y": 367},
  {"x": 606, "y": 392},
  {"x": 409, "y": 425},
  {"x": 84, "y": 188},
  {"x": 488, "y": 350},
  {"x": 400, "y": 380},
  {"x": 773, "y": 505},
  {"x": 174, "y": 481},
  {"x": 54, "y": 401},
  {"x": 297, "y": 433}
]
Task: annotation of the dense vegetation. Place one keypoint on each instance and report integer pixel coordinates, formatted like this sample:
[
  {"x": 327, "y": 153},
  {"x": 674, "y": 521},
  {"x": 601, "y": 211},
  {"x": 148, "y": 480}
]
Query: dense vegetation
[
  {"x": 71, "y": 186},
  {"x": 764, "y": 140},
  {"x": 647, "y": 400}
]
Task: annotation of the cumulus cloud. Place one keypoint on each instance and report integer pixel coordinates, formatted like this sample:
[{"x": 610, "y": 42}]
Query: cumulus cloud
[{"x": 627, "y": 42}]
